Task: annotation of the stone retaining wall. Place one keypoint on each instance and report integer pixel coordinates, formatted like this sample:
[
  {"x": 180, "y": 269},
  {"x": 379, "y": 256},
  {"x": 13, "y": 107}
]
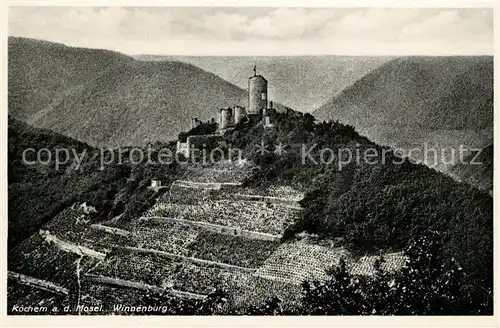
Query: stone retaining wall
[
  {"x": 225, "y": 230},
  {"x": 37, "y": 283}
]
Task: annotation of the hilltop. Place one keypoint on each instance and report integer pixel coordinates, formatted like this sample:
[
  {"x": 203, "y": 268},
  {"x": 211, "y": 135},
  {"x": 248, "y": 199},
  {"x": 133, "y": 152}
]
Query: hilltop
[
  {"x": 108, "y": 99},
  {"x": 380, "y": 206},
  {"x": 275, "y": 227}
]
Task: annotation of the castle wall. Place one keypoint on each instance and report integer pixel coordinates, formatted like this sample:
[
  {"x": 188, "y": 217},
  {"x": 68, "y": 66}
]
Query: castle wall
[
  {"x": 291, "y": 203},
  {"x": 183, "y": 148},
  {"x": 226, "y": 118},
  {"x": 37, "y": 283},
  {"x": 195, "y": 122},
  {"x": 239, "y": 114},
  {"x": 208, "y": 141}
]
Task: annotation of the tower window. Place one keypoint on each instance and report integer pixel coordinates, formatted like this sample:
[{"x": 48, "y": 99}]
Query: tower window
[{"x": 264, "y": 96}]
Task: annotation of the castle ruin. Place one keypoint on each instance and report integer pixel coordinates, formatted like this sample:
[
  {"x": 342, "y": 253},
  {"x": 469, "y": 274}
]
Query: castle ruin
[{"x": 258, "y": 110}]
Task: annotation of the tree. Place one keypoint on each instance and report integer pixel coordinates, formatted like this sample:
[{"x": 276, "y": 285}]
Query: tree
[{"x": 427, "y": 285}]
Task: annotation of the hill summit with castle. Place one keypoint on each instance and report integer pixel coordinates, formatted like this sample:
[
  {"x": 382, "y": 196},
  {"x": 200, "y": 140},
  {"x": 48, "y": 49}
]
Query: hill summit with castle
[{"x": 258, "y": 110}]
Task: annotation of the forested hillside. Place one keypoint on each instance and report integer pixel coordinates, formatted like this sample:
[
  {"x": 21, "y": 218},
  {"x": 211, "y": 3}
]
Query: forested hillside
[
  {"x": 38, "y": 190},
  {"x": 431, "y": 93},
  {"x": 445, "y": 227},
  {"x": 108, "y": 99},
  {"x": 477, "y": 169},
  {"x": 421, "y": 103},
  {"x": 380, "y": 204},
  {"x": 42, "y": 74}
]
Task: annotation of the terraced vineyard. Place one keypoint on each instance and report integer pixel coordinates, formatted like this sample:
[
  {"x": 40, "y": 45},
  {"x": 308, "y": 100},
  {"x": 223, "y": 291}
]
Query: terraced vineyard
[
  {"x": 246, "y": 288},
  {"x": 217, "y": 174},
  {"x": 31, "y": 295},
  {"x": 257, "y": 290},
  {"x": 39, "y": 259},
  {"x": 284, "y": 192},
  {"x": 232, "y": 250},
  {"x": 389, "y": 263},
  {"x": 246, "y": 215},
  {"x": 154, "y": 270},
  {"x": 108, "y": 296},
  {"x": 181, "y": 193},
  {"x": 167, "y": 236},
  {"x": 296, "y": 262},
  {"x": 71, "y": 225},
  {"x": 198, "y": 238},
  {"x": 191, "y": 241}
]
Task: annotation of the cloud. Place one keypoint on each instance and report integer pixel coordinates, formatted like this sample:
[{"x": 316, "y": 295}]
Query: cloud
[
  {"x": 280, "y": 23},
  {"x": 452, "y": 26},
  {"x": 220, "y": 25},
  {"x": 261, "y": 31},
  {"x": 288, "y": 23}
]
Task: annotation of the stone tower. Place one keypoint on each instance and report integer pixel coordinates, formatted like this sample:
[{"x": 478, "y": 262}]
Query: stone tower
[{"x": 257, "y": 93}]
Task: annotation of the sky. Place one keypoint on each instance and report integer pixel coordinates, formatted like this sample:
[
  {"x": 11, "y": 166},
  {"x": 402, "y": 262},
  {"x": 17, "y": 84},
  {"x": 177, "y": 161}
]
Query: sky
[{"x": 261, "y": 31}]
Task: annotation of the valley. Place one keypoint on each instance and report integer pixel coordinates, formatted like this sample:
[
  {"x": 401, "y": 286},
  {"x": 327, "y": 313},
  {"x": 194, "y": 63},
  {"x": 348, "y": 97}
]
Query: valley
[{"x": 260, "y": 230}]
